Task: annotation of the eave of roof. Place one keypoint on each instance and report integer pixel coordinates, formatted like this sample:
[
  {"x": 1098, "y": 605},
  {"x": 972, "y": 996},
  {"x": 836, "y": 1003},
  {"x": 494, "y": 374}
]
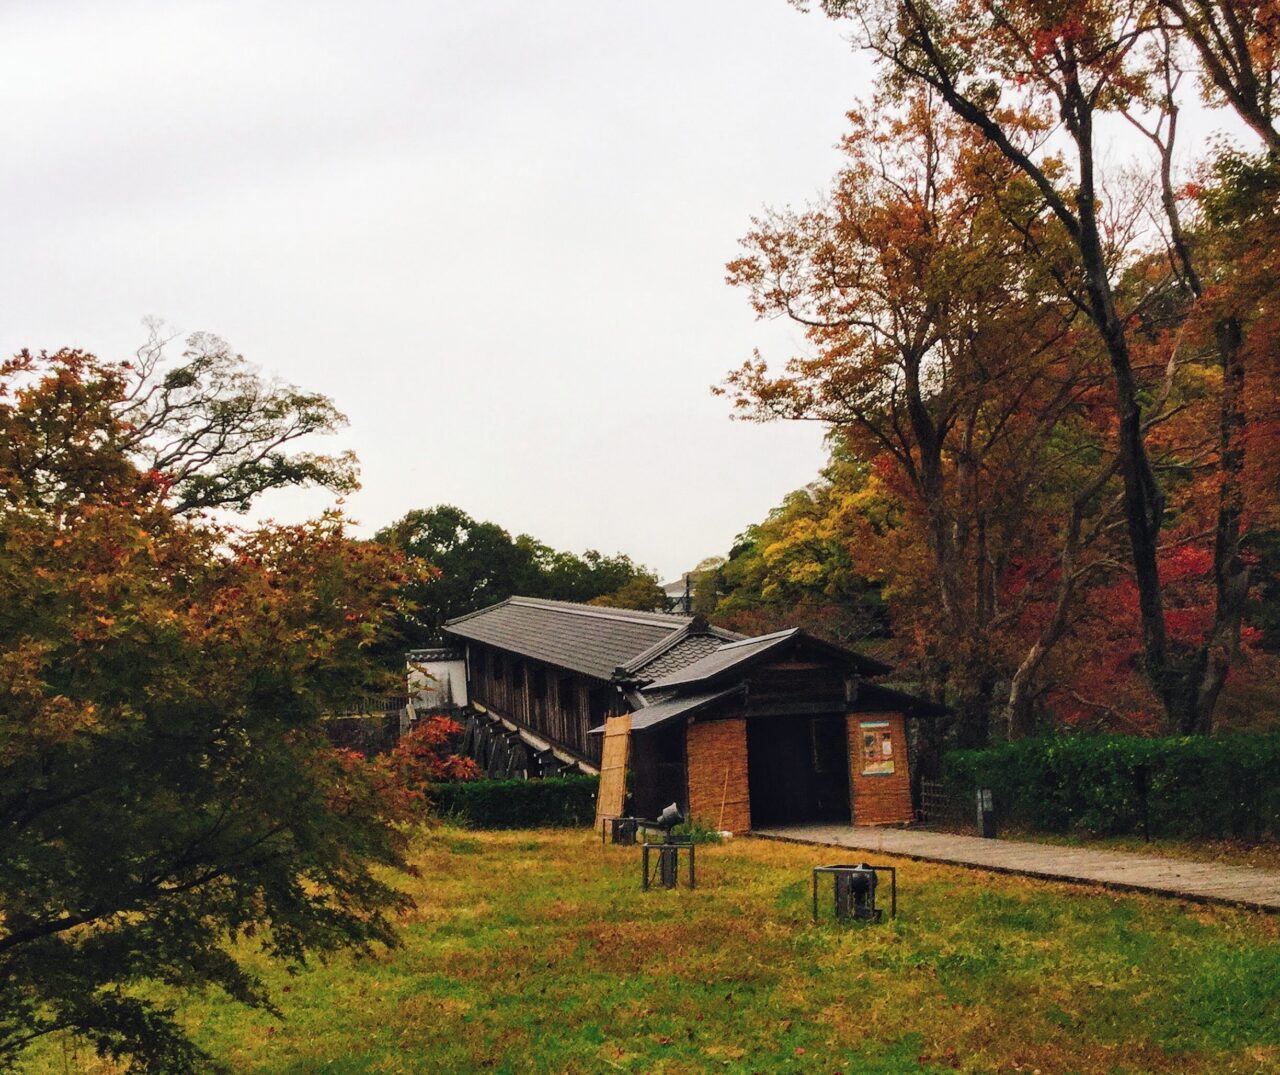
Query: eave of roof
[{"x": 666, "y": 709}]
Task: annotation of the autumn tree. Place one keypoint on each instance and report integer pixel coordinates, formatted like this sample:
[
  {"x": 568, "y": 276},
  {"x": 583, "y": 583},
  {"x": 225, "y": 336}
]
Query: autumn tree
[
  {"x": 641, "y": 592},
  {"x": 943, "y": 357},
  {"x": 1075, "y": 65},
  {"x": 216, "y": 431},
  {"x": 802, "y": 566},
  {"x": 165, "y": 785},
  {"x": 1238, "y": 45}
]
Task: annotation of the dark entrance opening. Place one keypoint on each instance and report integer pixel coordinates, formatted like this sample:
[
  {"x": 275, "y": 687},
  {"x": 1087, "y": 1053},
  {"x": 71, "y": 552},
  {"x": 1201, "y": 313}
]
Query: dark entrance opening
[
  {"x": 798, "y": 769},
  {"x": 658, "y": 769}
]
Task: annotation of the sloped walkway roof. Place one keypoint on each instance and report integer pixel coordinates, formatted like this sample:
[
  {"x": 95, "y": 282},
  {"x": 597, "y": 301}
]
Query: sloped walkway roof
[
  {"x": 582, "y": 638},
  {"x": 667, "y": 708}
]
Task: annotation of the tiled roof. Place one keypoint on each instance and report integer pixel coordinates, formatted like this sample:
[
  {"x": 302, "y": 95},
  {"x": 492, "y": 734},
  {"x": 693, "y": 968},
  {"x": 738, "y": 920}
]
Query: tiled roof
[
  {"x": 684, "y": 652},
  {"x": 721, "y": 659},
  {"x": 583, "y": 638},
  {"x": 734, "y": 655}
]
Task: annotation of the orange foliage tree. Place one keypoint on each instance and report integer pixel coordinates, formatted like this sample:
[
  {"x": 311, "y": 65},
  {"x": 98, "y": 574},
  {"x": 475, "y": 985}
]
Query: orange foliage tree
[
  {"x": 165, "y": 783},
  {"x": 1077, "y": 66},
  {"x": 947, "y": 358}
]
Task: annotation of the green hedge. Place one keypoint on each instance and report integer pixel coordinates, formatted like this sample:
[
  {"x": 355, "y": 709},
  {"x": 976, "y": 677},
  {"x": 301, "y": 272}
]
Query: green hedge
[
  {"x": 552, "y": 802},
  {"x": 1221, "y": 786}
]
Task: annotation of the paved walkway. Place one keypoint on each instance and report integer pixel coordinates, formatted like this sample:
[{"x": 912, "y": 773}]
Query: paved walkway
[{"x": 1203, "y": 882}]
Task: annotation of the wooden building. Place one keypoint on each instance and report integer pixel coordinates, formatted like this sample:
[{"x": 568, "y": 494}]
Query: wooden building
[{"x": 741, "y": 732}]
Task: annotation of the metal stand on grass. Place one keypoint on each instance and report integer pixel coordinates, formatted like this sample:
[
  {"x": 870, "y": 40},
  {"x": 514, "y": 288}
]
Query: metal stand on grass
[
  {"x": 854, "y": 891},
  {"x": 621, "y": 830},
  {"x": 668, "y": 857},
  {"x": 667, "y": 863}
]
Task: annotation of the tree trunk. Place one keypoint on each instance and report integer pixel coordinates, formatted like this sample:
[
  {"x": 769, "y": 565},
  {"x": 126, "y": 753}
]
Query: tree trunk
[
  {"x": 1143, "y": 499},
  {"x": 974, "y": 694},
  {"x": 1213, "y": 661}
]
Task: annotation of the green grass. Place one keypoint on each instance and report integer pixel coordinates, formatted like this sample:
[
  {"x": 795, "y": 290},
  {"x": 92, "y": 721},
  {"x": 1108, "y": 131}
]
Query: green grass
[{"x": 536, "y": 952}]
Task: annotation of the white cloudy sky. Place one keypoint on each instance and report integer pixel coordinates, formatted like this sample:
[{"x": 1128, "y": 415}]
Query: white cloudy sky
[{"x": 493, "y": 233}]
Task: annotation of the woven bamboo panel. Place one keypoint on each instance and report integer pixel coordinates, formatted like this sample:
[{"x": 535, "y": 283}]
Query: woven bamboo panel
[
  {"x": 718, "y": 790},
  {"x": 879, "y": 798},
  {"x": 613, "y": 768}
]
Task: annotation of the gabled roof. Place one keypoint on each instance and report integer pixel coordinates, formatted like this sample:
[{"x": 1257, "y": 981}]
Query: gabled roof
[
  {"x": 733, "y": 658},
  {"x": 683, "y": 651},
  {"x": 697, "y": 640},
  {"x": 582, "y": 638}
]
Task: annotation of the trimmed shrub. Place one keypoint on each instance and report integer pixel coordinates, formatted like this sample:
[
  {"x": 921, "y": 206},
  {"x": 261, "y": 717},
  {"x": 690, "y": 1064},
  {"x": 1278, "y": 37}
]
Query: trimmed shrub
[
  {"x": 1216, "y": 787},
  {"x": 552, "y": 802},
  {"x": 697, "y": 832}
]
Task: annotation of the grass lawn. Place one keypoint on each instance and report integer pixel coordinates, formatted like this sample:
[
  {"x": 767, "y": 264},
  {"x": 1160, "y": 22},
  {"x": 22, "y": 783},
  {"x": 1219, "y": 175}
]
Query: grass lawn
[{"x": 536, "y": 951}]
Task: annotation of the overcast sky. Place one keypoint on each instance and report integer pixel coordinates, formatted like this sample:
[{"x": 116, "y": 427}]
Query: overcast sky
[{"x": 494, "y": 233}]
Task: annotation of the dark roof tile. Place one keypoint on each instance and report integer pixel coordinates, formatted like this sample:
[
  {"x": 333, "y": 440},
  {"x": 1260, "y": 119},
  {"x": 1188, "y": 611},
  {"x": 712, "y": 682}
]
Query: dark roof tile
[
  {"x": 668, "y": 707},
  {"x": 583, "y": 638},
  {"x": 721, "y": 659},
  {"x": 733, "y": 656},
  {"x": 683, "y": 653}
]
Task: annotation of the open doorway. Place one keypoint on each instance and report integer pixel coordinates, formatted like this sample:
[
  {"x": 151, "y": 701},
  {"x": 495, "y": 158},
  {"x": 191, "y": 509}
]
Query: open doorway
[{"x": 798, "y": 769}]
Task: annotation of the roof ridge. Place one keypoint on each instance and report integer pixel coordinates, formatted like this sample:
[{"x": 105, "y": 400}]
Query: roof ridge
[
  {"x": 722, "y": 660},
  {"x": 761, "y": 638},
  {"x": 478, "y": 611},
  {"x": 580, "y": 608},
  {"x": 606, "y": 612}
]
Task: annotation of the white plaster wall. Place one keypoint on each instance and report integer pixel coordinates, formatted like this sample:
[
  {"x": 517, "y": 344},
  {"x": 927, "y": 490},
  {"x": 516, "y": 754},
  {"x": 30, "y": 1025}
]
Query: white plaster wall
[{"x": 438, "y": 684}]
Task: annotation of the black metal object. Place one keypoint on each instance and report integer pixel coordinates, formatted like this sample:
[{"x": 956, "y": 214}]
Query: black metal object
[
  {"x": 855, "y": 894},
  {"x": 626, "y": 831},
  {"x": 668, "y": 851},
  {"x": 667, "y": 863},
  {"x": 621, "y": 830},
  {"x": 669, "y": 819},
  {"x": 987, "y": 827},
  {"x": 854, "y": 891}
]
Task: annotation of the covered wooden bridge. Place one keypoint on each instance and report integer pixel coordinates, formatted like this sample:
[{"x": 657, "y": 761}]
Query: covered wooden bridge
[{"x": 741, "y": 732}]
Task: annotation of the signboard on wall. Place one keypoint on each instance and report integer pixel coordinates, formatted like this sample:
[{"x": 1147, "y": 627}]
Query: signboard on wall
[{"x": 877, "y": 748}]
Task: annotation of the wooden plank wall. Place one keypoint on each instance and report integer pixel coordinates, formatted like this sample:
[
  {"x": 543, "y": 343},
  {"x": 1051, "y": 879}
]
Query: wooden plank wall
[
  {"x": 553, "y": 702},
  {"x": 717, "y": 762}
]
